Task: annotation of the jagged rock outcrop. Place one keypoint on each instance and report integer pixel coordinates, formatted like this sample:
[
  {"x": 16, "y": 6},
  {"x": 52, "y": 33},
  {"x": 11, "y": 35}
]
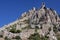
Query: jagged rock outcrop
[{"x": 44, "y": 21}]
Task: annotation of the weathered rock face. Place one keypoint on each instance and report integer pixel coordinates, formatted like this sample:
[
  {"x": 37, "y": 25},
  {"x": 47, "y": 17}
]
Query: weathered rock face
[
  {"x": 41, "y": 16},
  {"x": 44, "y": 21}
]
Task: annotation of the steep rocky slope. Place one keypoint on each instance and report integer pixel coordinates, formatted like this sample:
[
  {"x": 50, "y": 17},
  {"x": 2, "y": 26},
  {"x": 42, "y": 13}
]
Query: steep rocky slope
[{"x": 36, "y": 24}]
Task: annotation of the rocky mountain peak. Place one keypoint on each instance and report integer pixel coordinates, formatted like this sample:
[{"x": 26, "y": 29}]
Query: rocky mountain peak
[
  {"x": 43, "y": 23},
  {"x": 43, "y": 5}
]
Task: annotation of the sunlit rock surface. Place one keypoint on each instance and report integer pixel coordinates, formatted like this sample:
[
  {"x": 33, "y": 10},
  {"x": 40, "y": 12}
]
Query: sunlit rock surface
[{"x": 44, "y": 21}]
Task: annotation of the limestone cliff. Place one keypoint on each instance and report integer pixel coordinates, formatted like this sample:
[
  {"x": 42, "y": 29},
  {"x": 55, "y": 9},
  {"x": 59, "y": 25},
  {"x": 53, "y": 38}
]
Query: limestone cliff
[{"x": 43, "y": 23}]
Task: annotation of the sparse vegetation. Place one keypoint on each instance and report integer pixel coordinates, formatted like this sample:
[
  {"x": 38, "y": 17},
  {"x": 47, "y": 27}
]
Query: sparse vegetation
[
  {"x": 36, "y": 28},
  {"x": 55, "y": 29},
  {"x": 15, "y": 31},
  {"x": 58, "y": 36},
  {"x": 13, "y": 28},
  {"x": 49, "y": 29},
  {"x": 18, "y": 31},
  {"x": 36, "y": 24},
  {"x": 44, "y": 38},
  {"x": 18, "y": 38},
  {"x": 41, "y": 26},
  {"x": 34, "y": 36},
  {"x": 1, "y": 36},
  {"x": 59, "y": 28},
  {"x": 6, "y": 38}
]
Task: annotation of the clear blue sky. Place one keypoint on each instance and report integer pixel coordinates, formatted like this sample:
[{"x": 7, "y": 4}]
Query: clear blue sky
[{"x": 10, "y": 10}]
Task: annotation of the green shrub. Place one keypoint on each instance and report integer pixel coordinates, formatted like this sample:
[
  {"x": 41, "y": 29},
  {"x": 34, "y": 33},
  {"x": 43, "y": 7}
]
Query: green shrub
[
  {"x": 58, "y": 38},
  {"x": 18, "y": 38},
  {"x": 44, "y": 38},
  {"x": 55, "y": 29},
  {"x": 18, "y": 31},
  {"x": 1, "y": 35},
  {"x": 6, "y": 38},
  {"x": 49, "y": 29},
  {"x": 34, "y": 36},
  {"x": 15, "y": 31},
  {"x": 36, "y": 28}
]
